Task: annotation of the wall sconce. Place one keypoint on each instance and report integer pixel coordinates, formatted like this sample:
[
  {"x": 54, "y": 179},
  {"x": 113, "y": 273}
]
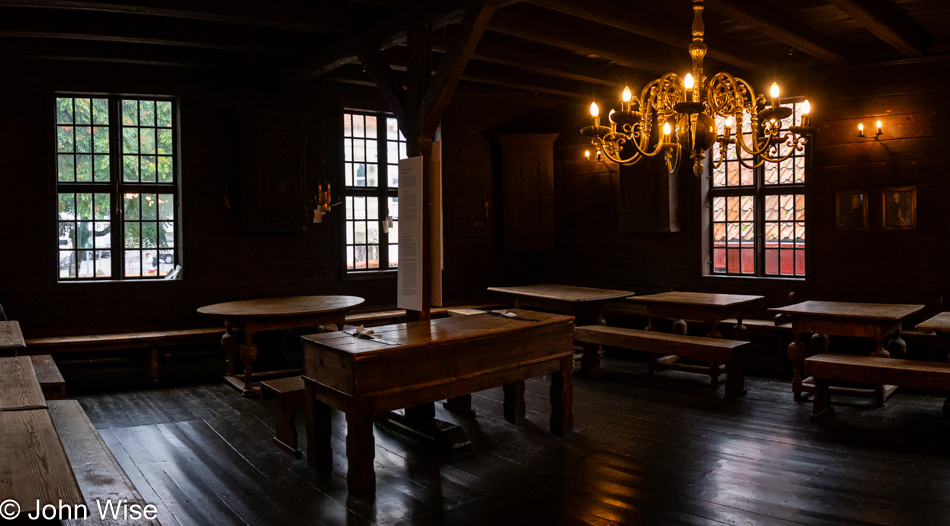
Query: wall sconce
[
  {"x": 321, "y": 203},
  {"x": 880, "y": 130},
  {"x": 587, "y": 155}
]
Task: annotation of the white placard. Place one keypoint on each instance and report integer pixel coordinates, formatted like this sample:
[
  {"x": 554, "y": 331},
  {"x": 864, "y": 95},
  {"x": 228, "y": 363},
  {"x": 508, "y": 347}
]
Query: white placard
[
  {"x": 409, "y": 280},
  {"x": 435, "y": 227}
]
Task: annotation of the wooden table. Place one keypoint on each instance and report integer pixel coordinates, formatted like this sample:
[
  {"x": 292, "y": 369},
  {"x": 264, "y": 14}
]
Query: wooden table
[
  {"x": 11, "y": 339},
  {"x": 422, "y": 362},
  {"x": 939, "y": 324},
  {"x": 867, "y": 320},
  {"x": 584, "y": 303},
  {"x": 694, "y": 306},
  {"x": 266, "y": 314},
  {"x": 19, "y": 388}
]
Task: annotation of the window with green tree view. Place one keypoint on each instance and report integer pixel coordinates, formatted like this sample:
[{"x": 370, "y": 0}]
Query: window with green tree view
[{"x": 117, "y": 187}]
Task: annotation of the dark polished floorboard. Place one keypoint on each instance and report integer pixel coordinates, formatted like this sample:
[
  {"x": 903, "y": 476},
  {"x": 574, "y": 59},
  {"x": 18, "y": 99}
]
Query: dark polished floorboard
[{"x": 645, "y": 450}]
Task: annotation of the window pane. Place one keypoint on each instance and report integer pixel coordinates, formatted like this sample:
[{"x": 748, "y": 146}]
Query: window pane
[
  {"x": 165, "y": 172},
  {"x": 372, "y": 232},
  {"x": 166, "y": 234},
  {"x": 166, "y": 206},
  {"x": 393, "y": 256},
  {"x": 360, "y": 232},
  {"x": 719, "y": 209},
  {"x": 83, "y": 139},
  {"x": 371, "y": 130},
  {"x": 64, "y": 139},
  {"x": 347, "y": 125},
  {"x": 358, "y": 127},
  {"x": 771, "y": 208},
  {"x": 100, "y": 111},
  {"x": 102, "y": 169},
  {"x": 84, "y": 206},
  {"x": 165, "y": 142},
  {"x": 372, "y": 179},
  {"x": 359, "y": 210},
  {"x": 67, "y": 168},
  {"x": 372, "y": 208},
  {"x": 132, "y": 237},
  {"x": 360, "y": 256},
  {"x": 771, "y": 261},
  {"x": 64, "y": 110},
  {"x": 147, "y": 166},
  {"x": 163, "y": 113},
  {"x": 719, "y": 260},
  {"x": 146, "y": 113},
  {"x": 83, "y": 111},
  {"x": 373, "y": 256},
  {"x": 147, "y": 140},
  {"x": 732, "y": 208},
  {"x": 392, "y": 127},
  {"x": 393, "y": 171},
  {"x": 130, "y": 140},
  {"x": 100, "y": 139},
  {"x": 747, "y": 207},
  {"x": 130, "y": 113},
  {"x": 84, "y": 234},
  {"x": 130, "y": 168},
  {"x": 131, "y": 206},
  {"x": 103, "y": 205},
  {"x": 149, "y": 206},
  {"x": 132, "y": 263}
]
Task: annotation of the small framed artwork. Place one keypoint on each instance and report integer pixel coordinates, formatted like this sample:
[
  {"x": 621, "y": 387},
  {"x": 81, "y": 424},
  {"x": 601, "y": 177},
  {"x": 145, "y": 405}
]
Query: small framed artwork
[
  {"x": 851, "y": 210},
  {"x": 900, "y": 208}
]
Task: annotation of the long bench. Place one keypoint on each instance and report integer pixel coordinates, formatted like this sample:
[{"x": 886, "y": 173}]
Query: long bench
[
  {"x": 825, "y": 368},
  {"x": 150, "y": 341},
  {"x": 731, "y": 353}
]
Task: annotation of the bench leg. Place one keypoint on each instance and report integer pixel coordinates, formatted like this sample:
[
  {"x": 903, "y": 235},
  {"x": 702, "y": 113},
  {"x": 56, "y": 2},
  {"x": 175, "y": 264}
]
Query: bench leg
[
  {"x": 319, "y": 453},
  {"x": 360, "y": 451},
  {"x": 714, "y": 373},
  {"x": 946, "y": 408},
  {"x": 151, "y": 363},
  {"x": 229, "y": 344},
  {"x": 590, "y": 359},
  {"x": 796, "y": 355},
  {"x": 460, "y": 404},
  {"x": 562, "y": 398},
  {"x": 514, "y": 401},
  {"x": 735, "y": 377},
  {"x": 822, "y": 404},
  {"x": 286, "y": 432}
]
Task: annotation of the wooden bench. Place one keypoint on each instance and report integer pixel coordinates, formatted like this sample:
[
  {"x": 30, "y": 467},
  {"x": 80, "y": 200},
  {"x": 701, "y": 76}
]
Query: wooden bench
[
  {"x": 98, "y": 473},
  {"x": 730, "y": 353},
  {"x": 290, "y": 399},
  {"x": 50, "y": 379},
  {"x": 825, "y": 368},
  {"x": 150, "y": 341}
]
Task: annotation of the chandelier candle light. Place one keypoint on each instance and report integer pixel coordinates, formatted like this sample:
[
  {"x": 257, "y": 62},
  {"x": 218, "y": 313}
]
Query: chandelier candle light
[{"x": 686, "y": 107}]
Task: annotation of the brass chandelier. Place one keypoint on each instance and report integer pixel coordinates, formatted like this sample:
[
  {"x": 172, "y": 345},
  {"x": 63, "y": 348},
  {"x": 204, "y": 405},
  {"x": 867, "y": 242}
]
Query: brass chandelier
[{"x": 685, "y": 109}]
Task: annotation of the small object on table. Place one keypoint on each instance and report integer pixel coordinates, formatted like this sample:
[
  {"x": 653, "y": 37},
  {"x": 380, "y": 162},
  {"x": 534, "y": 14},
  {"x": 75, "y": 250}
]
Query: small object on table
[
  {"x": 433, "y": 360},
  {"x": 868, "y": 320},
  {"x": 290, "y": 399},
  {"x": 247, "y": 317},
  {"x": 584, "y": 303},
  {"x": 704, "y": 307},
  {"x": 11, "y": 339}
]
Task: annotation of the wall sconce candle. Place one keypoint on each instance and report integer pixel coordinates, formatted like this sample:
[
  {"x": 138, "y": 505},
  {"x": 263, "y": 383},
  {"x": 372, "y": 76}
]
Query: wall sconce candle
[
  {"x": 861, "y": 129},
  {"x": 587, "y": 155},
  {"x": 880, "y": 131}
]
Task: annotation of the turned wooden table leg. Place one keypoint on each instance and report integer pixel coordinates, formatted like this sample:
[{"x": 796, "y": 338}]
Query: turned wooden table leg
[
  {"x": 796, "y": 355},
  {"x": 740, "y": 331},
  {"x": 514, "y": 401},
  {"x": 879, "y": 349},
  {"x": 562, "y": 398},
  {"x": 819, "y": 343},
  {"x": 897, "y": 347},
  {"x": 229, "y": 344},
  {"x": 651, "y": 325},
  {"x": 822, "y": 403},
  {"x": 360, "y": 451},
  {"x": 248, "y": 356},
  {"x": 319, "y": 452},
  {"x": 679, "y": 327}
]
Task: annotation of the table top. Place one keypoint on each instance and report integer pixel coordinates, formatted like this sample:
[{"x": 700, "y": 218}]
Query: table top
[
  {"x": 442, "y": 330},
  {"x": 289, "y": 306},
  {"x": 939, "y": 323},
  {"x": 702, "y": 299},
  {"x": 10, "y": 335},
  {"x": 19, "y": 388},
  {"x": 563, "y": 292},
  {"x": 842, "y": 309},
  {"x": 34, "y": 463}
]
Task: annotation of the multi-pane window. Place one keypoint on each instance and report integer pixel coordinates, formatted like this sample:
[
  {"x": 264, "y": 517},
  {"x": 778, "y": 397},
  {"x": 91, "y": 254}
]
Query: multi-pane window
[
  {"x": 116, "y": 187},
  {"x": 757, "y": 216},
  {"x": 372, "y": 148}
]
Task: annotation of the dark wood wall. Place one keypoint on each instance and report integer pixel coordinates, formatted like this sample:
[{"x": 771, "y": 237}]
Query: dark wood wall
[
  {"x": 873, "y": 265},
  {"x": 221, "y": 261}
]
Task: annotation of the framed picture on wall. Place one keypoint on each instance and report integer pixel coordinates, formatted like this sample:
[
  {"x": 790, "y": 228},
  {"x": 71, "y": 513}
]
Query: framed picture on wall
[
  {"x": 851, "y": 210},
  {"x": 900, "y": 208}
]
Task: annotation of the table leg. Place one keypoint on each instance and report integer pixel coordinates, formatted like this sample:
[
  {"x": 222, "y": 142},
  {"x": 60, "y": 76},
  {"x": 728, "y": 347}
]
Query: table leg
[
  {"x": 819, "y": 343},
  {"x": 229, "y": 344},
  {"x": 796, "y": 355},
  {"x": 822, "y": 403},
  {"x": 591, "y": 362},
  {"x": 248, "y": 356},
  {"x": 740, "y": 331},
  {"x": 679, "y": 327},
  {"x": 651, "y": 326},
  {"x": 714, "y": 327},
  {"x": 360, "y": 451},
  {"x": 514, "y": 401},
  {"x": 319, "y": 425},
  {"x": 879, "y": 349},
  {"x": 897, "y": 347},
  {"x": 562, "y": 398}
]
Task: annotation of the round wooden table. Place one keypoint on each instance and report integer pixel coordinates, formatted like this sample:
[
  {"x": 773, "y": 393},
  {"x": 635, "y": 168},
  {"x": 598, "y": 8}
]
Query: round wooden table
[{"x": 267, "y": 314}]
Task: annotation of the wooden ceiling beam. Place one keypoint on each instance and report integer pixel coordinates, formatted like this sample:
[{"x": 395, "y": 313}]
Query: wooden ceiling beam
[
  {"x": 242, "y": 13},
  {"x": 634, "y": 21},
  {"x": 585, "y": 38},
  {"x": 888, "y": 22},
  {"x": 777, "y": 25},
  {"x": 390, "y": 89}
]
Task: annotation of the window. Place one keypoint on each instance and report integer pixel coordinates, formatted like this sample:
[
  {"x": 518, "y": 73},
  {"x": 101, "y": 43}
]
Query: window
[
  {"x": 757, "y": 216},
  {"x": 116, "y": 186},
  {"x": 372, "y": 148}
]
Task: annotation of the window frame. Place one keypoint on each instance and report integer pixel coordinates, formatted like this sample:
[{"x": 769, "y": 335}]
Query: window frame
[
  {"x": 382, "y": 191},
  {"x": 116, "y": 188},
  {"x": 759, "y": 191}
]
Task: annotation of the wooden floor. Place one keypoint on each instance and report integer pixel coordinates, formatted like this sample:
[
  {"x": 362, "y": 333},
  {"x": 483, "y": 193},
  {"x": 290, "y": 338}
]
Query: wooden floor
[{"x": 645, "y": 450}]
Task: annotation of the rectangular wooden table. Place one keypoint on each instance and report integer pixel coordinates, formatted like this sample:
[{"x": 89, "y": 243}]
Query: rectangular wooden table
[
  {"x": 863, "y": 320},
  {"x": 11, "y": 339},
  {"x": 694, "y": 306},
  {"x": 410, "y": 364},
  {"x": 584, "y": 303}
]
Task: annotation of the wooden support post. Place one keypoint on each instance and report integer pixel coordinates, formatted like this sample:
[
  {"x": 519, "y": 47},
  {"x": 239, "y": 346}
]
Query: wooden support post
[{"x": 514, "y": 401}]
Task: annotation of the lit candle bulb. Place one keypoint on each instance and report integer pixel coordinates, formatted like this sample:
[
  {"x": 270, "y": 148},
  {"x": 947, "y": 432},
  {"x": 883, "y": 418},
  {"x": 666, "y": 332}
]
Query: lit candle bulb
[
  {"x": 728, "y": 131},
  {"x": 610, "y": 117},
  {"x": 625, "y": 105},
  {"x": 806, "y": 109},
  {"x": 688, "y": 84},
  {"x": 595, "y": 114},
  {"x": 587, "y": 155},
  {"x": 860, "y": 129},
  {"x": 666, "y": 132},
  {"x": 879, "y": 128}
]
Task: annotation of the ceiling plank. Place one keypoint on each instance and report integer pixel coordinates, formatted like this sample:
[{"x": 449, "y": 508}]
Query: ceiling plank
[
  {"x": 634, "y": 21},
  {"x": 308, "y": 19},
  {"x": 888, "y": 22},
  {"x": 782, "y": 28},
  {"x": 586, "y": 38}
]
